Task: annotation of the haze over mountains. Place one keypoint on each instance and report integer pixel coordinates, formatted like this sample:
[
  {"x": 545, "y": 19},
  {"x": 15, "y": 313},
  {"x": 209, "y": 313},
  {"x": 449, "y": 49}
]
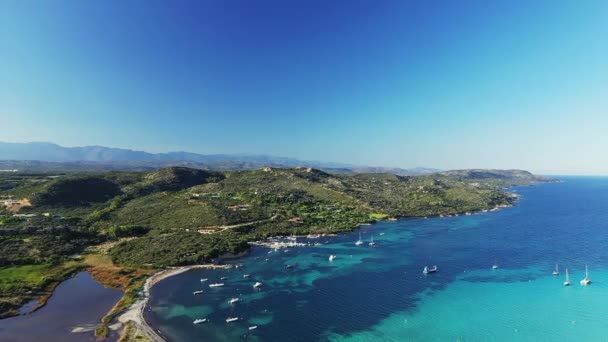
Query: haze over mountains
[{"x": 39, "y": 155}]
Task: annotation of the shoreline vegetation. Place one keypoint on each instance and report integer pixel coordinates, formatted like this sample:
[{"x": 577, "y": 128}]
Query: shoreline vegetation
[{"x": 123, "y": 227}]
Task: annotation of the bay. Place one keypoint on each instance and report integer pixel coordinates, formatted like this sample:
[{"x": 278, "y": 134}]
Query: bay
[{"x": 370, "y": 294}]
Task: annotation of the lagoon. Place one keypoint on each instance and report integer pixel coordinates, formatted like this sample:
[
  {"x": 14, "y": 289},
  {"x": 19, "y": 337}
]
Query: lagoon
[{"x": 77, "y": 302}]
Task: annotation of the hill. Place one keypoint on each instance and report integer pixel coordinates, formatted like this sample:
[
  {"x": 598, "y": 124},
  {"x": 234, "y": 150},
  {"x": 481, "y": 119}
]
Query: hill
[
  {"x": 504, "y": 177},
  {"x": 178, "y": 215}
]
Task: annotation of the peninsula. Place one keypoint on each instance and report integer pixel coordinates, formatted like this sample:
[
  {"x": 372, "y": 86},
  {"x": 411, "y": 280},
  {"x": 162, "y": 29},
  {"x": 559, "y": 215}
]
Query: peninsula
[{"x": 124, "y": 226}]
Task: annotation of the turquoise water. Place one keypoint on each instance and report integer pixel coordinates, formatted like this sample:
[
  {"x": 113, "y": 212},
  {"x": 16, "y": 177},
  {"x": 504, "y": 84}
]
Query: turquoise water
[{"x": 371, "y": 294}]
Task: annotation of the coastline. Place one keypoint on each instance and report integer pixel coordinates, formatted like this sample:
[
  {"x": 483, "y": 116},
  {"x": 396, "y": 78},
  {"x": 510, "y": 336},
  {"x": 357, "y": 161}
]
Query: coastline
[{"x": 135, "y": 313}]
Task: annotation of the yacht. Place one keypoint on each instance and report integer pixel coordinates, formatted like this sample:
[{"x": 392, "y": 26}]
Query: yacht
[
  {"x": 216, "y": 285},
  {"x": 233, "y": 300},
  {"x": 586, "y": 281},
  {"x": 197, "y": 292},
  {"x": 556, "y": 271},
  {"x": 257, "y": 284},
  {"x": 332, "y": 257},
  {"x": 431, "y": 269},
  {"x": 200, "y": 320},
  {"x": 204, "y": 280},
  {"x": 567, "y": 282},
  {"x": 372, "y": 243},
  {"x": 253, "y": 327},
  {"x": 359, "y": 242},
  {"x": 231, "y": 319}
]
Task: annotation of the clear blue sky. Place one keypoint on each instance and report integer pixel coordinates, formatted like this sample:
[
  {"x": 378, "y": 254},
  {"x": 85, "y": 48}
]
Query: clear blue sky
[{"x": 447, "y": 84}]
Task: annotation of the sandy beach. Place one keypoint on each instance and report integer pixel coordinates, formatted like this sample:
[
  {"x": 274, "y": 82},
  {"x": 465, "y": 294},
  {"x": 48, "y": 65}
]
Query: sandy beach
[{"x": 135, "y": 313}]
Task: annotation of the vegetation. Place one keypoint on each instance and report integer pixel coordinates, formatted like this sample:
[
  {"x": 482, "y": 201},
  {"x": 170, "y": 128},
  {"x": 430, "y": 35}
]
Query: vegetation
[{"x": 144, "y": 220}]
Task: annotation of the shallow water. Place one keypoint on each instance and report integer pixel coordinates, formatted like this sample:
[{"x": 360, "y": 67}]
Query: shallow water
[
  {"x": 78, "y": 301},
  {"x": 370, "y": 294}
]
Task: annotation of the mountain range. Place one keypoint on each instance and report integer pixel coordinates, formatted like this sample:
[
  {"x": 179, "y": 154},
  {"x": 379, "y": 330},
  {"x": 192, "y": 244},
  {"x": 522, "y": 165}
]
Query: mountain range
[{"x": 45, "y": 155}]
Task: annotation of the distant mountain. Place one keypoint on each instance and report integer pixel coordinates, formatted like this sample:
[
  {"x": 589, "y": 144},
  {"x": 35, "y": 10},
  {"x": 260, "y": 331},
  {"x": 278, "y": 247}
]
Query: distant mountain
[{"x": 50, "y": 156}]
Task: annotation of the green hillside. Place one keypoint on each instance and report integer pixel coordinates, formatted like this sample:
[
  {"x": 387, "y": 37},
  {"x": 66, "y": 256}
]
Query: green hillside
[{"x": 178, "y": 216}]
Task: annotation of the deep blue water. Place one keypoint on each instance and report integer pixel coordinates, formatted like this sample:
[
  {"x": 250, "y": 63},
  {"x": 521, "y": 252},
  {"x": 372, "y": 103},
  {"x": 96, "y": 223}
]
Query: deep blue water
[{"x": 380, "y": 293}]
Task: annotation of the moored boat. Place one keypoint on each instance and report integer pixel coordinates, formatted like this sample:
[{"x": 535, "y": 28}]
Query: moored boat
[
  {"x": 216, "y": 285},
  {"x": 586, "y": 281},
  {"x": 257, "y": 284},
  {"x": 200, "y": 320},
  {"x": 233, "y": 300},
  {"x": 429, "y": 269},
  {"x": 359, "y": 242},
  {"x": 231, "y": 319},
  {"x": 197, "y": 292}
]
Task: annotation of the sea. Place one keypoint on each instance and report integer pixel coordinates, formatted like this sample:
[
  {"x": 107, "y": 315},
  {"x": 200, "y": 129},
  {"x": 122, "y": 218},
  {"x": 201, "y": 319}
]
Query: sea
[{"x": 381, "y": 294}]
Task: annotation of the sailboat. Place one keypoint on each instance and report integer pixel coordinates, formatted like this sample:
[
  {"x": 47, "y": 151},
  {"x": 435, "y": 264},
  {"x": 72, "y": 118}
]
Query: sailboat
[
  {"x": 495, "y": 266},
  {"x": 372, "y": 243},
  {"x": 332, "y": 257},
  {"x": 556, "y": 271},
  {"x": 586, "y": 281},
  {"x": 567, "y": 282},
  {"x": 359, "y": 242}
]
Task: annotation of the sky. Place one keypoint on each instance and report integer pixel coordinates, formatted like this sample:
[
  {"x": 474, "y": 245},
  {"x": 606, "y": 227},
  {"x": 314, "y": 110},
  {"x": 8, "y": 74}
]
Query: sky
[{"x": 444, "y": 84}]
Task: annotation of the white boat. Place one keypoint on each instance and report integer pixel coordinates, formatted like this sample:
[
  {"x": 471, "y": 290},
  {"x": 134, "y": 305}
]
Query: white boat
[
  {"x": 216, "y": 285},
  {"x": 381, "y": 234},
  {"x": 257, "y": 284},
  {"x": 586, "y": 281},
  {"x": 372, "y": 243},
  {"x": 288, "y": 266},
  {"x": 332, "y": 257},
  {"x": 359, "y": 242},
  {"x": 495, "y": 266},
  {"x": 197, "y": 292},
  {"x": 246, "y": 275},
  {"x": 253, "y": 327},
  {"x": 233, "y": 300},
  {"x": 431, "y": 269},
  {"x": 204, "y": 280},
  {"x": 567, "y": 282},
  {"x": 231, "y": 319},
  {"x": 200, "y": 320},
  {"x": 556, "y": 271},
  {"x": 223, "y": 278}
]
